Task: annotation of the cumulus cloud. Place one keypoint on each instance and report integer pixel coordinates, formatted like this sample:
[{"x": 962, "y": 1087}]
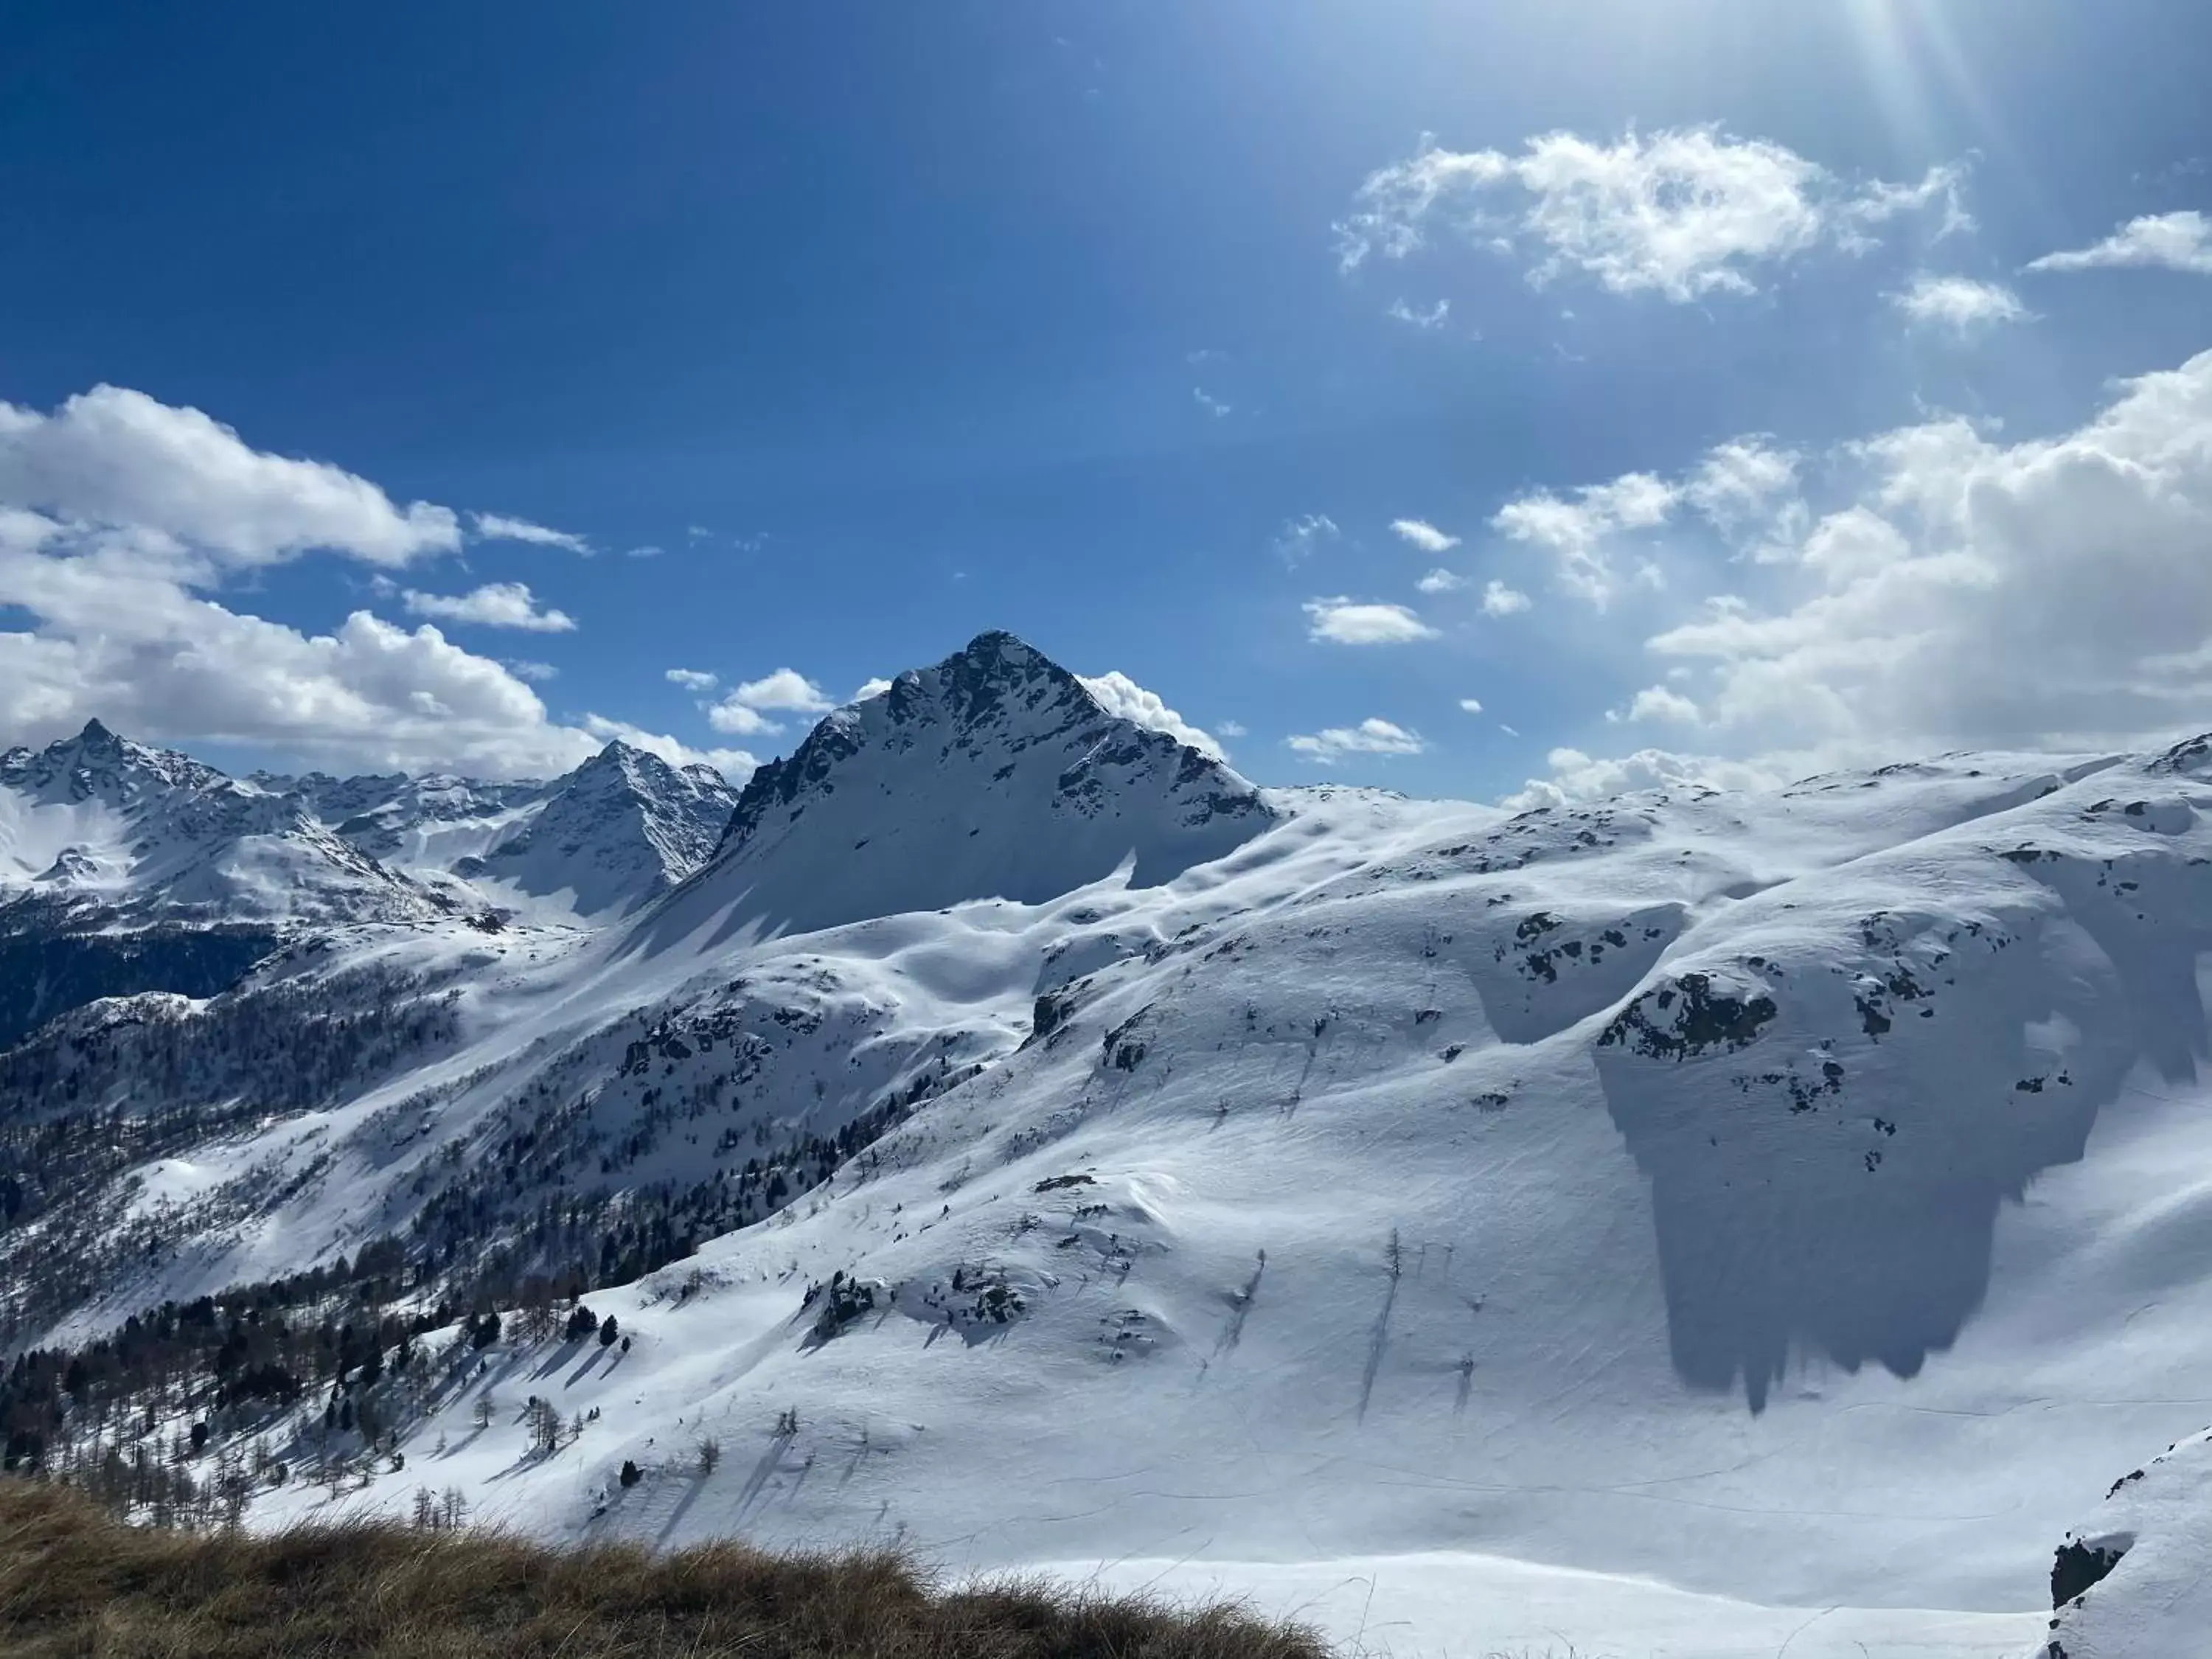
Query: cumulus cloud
[
  {"x": 1117, "y": 693},
  {"x": 2053, "y": 592},
  {"x": 1660, "y": 703},
  {"x": 1500, "y": 600},
  {"x": 1212, "y": 404},
  {"x": 1743, "y": 486},
  {"x": 1576, "y": 531},
  {"x": 129, "y": 645},
  {"x": 120, "y": 518},
  {"x": 1471, "y": 705},
  {"x": 1230, "y": 728},
  {"x": 787, "y": 688},
  {"x": 1301, "y": 536},
  {"x": 871, "y": 687},
  {"x": 523, "y": 668},
  {"x": 1958, "y": 303},
  {"x": 1741, "y": 479},
  {"x": 1343, "y": 620},
  {"x": 691, "y": 679},
  {"x": 745, "y": 711},
  {"x": 1958, "y": 588},
  {"x": 495, "y": 605},
  {"x": 498, "y": 527},
  {"x": 1682, "y": 212},
  {"x": 738, "y": 719},
  {"x": 1577, "y": 778},
  {"x": 2174, "y": 242},
  {"x": 1441, "y": 580},
  {"x": 1424, "y": 535},
  {"x": 1370, "y": 737},
  {"x": 116, "y": 459}
]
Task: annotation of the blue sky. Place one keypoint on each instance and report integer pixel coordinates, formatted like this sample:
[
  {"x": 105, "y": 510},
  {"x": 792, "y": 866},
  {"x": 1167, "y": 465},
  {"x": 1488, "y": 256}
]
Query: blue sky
[{"x": 1133, "y": 329}]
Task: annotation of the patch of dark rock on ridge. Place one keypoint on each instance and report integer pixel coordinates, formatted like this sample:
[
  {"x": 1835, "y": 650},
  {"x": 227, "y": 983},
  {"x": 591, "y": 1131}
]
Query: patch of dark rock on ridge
[
  {"x": 1655, "y": 1027},
  {"x": 2078, "y": 1567}
]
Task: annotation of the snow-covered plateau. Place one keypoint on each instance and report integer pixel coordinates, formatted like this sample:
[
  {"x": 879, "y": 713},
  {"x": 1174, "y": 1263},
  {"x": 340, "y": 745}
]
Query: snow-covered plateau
[{"x": 1692, "y": 1225}]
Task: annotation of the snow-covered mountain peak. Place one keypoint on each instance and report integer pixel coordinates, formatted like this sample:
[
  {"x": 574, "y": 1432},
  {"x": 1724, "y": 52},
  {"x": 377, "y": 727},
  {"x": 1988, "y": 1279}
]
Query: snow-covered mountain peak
[
  {"x": 124, "y": 828},
  {"x": 992, "y": 773},
  {"x": 96, "y": 765},
  {"x": 624, "y": 827}
]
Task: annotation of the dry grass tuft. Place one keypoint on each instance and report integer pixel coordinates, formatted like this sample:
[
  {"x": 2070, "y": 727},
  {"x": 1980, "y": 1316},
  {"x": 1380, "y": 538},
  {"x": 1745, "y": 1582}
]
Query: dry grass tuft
[{"x": 74, "y": 1582}]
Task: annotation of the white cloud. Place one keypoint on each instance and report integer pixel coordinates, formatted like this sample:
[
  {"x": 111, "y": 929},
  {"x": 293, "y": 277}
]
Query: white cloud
[
  {"x": 1959, "y": 588},
  {"x": 691, "y": 679},
  {"x": 115, "y": 639},
  {"x": 742, "y": 712},
  {"x": 1300, "y": 536},
  {"x": 734, "y": 764},
  {"x": 1424, "y": 535},
  {"x": 1230, "y": 728},
  {"x": 1370, "y": 737},
  {"x": 787, "y": 688},
  {"x": 1500, "y": 600},
  {"x": 1471, "y": 705},
  {"x": 1574, "y": 532},
  {"x": 1433, "y": 316},
  {"x": 1210, "y": 404},
  {"x": 2050, "y": 593},
  {"x": 2174, "y": 241},
  {"x": 1441, "y": 581},
  {"x": 114, "y": 458},
  {"x": 1343, "y": 621},
  {"x": 495, "y": 605},
  {"x": 499, "y": 527},
  {"x": 738, "y": 719},
  {"x": 698, "y": 532},
  {"x": 1577, "y": 778},
  {"x": 1741, "y": 479},
  {"x": 523, "y": 668},
  {"x": 1683, "y": 212},
  {"x": 1743, "y": 486},
  {"x": 1660, "y": 703},
  {"x": 647, "y": 552},
  {"x": 871, "y": 687},
  {"x": 1958, "y": 303},
  {"x": 1117, "y": 693},
  {"x": 146, "y": 509}
]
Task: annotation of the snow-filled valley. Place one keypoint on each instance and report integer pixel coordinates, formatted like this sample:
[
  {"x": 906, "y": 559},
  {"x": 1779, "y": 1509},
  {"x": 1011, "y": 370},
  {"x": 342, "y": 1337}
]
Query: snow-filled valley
[{"x": 1690, "y": 1225}]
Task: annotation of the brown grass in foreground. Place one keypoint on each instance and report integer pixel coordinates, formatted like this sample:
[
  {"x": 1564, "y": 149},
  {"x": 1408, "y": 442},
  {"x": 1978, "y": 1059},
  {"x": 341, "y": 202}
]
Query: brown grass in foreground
[{"x": 74, "y": 1582}]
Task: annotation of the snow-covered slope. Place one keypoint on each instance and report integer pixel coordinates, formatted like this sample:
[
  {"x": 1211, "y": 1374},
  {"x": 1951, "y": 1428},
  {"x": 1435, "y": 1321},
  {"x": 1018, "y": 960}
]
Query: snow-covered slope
[
  {"x": 992, "y": 774},
  {"x": 1695, "y": 1226},
  {"x": 411, "y": 824},
  {"x": 2132, "y": 1583}
]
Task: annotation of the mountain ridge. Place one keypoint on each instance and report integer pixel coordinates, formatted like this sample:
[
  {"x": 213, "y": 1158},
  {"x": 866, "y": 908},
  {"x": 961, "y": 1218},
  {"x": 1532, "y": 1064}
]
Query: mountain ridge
[{"x": 1419, "y": 1185}]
